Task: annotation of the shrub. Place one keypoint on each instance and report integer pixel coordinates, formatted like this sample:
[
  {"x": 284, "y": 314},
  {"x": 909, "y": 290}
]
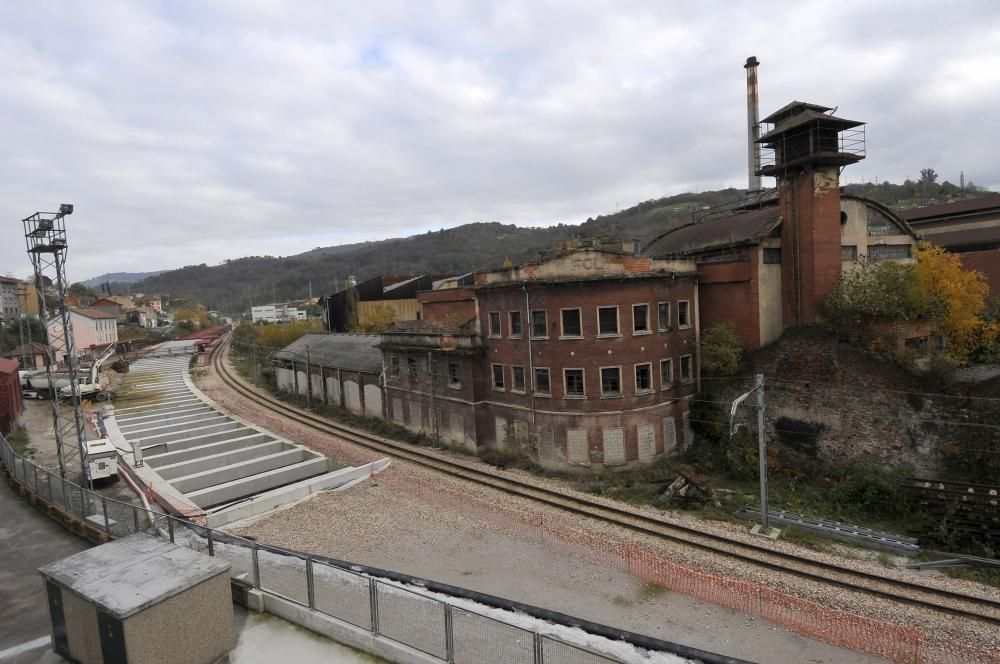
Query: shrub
[{"x": 721, "y": 350}]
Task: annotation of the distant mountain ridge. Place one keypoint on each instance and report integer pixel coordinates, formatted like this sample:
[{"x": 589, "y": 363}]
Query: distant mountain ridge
[
  {"x": 236, "y": 284},
  {"x": 119, "y": 278}
]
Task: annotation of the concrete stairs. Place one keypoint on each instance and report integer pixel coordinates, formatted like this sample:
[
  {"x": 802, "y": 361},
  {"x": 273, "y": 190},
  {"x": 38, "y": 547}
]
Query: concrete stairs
[{"x": 206, "y": 456}]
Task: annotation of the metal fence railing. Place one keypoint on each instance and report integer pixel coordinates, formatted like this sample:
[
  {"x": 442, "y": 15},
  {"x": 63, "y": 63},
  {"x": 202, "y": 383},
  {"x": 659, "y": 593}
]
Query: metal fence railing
[{"x": 392, "y": 606}]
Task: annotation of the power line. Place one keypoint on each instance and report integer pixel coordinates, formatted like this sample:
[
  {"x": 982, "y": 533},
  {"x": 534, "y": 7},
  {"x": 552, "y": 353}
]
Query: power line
[{"x": 879, "y": 389}]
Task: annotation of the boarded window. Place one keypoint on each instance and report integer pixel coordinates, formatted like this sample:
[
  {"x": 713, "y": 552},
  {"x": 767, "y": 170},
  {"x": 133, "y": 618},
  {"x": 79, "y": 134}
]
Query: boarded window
[
  {"x": 669, "y": 435},
  {"x": 688, "y": 431},
  {"x": 614, "y": 446},
  {"x": 546, "y": 444},
  {"x": 416, "y": 416},
  {"x": 500, "y": 431},
  {"x": 576, "y": 446},
  {"x": 647, "y": 442},
  {"x": 397, "y": 412},
  {"x": 457, "y": 426},
  {"x": 520, "y": 432}
]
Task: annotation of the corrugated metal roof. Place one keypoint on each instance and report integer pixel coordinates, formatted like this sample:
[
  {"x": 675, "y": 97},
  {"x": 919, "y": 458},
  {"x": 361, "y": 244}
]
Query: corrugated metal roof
[
  {"x": 803, "y": 118},
  {"x": 965, "y": 206},
  {"x": 987, "y": 262},
  {"x": 355, "y": 352},
  {"x": 716, "y": 233},
  {"x": 967, "y": 237}
]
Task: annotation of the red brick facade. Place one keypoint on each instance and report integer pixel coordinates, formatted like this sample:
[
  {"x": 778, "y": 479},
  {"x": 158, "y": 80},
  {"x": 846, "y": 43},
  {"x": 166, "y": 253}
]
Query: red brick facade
[
  {"x": 539, "y": 371},
  {"x": 810, "y": 241},
  {"x": 729, "y": 293}
]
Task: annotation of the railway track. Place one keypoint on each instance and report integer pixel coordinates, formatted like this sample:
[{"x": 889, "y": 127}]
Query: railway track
[{"x": 914, "y": 594}]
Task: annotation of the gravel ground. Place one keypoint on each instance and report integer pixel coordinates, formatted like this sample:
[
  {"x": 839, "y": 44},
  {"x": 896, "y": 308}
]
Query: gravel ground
[{"x": 389, "y": 529}]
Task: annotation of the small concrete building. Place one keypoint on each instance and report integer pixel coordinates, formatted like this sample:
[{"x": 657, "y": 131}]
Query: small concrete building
[
  {"x": 336, "y": 369},
  {"x": 140, "y": 599}
]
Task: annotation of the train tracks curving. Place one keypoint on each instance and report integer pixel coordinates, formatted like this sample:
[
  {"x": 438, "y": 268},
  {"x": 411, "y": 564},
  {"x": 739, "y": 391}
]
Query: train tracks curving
[{"x": 915, "y": 594}]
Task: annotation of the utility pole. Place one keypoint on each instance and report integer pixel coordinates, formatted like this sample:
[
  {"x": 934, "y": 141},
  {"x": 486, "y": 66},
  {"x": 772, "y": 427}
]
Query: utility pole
[
  {"x": 309, "y": 382},
  {"x": 764, "y": 527}
]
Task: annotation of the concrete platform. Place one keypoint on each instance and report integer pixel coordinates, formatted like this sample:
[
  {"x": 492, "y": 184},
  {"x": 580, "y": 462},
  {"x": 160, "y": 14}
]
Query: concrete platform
[{"x": 199, "y": 458}]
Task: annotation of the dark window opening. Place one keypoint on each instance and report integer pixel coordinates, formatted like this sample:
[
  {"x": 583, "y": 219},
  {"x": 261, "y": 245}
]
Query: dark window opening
[{"x": 611, "y": 381}]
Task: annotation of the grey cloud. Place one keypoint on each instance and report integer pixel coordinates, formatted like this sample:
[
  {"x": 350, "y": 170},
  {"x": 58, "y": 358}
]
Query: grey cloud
[{"x": 192, "y": 132}]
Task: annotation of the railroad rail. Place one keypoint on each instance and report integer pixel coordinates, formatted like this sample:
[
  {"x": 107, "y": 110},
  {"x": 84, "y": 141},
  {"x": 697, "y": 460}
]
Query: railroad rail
[{"x": 915, "y": 594}]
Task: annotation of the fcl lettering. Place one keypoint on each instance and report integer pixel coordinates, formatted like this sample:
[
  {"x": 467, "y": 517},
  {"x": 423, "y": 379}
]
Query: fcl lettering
[{"x": 588, "y": 263}]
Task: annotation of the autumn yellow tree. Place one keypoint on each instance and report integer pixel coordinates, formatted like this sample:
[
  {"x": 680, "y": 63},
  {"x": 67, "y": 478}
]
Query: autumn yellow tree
[{"x": 957, "y": 298}]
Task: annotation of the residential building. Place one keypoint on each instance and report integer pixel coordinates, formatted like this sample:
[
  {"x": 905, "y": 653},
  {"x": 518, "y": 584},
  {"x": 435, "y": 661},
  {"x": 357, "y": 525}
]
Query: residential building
[
  {"x": 10, "y": 307},
  {"x": 110, "y": 306},
  {"x": 93, "y": 330}
]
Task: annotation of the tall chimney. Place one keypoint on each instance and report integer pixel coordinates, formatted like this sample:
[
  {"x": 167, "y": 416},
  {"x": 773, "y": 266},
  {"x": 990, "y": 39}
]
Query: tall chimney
[{"x": 753, "y": 124}]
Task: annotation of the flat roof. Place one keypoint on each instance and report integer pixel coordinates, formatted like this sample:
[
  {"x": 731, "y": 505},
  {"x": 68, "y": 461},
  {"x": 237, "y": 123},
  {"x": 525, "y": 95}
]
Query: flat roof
[{"x": 131, "y": 574}]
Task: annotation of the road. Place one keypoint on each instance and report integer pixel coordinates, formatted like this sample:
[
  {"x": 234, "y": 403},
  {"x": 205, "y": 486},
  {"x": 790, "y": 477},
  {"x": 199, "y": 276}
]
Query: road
[{"x": 28, "y": 540}]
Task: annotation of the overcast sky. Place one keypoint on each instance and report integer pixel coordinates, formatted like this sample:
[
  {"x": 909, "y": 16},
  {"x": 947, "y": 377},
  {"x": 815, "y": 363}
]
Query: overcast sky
[{"x": 191, "y": 132}]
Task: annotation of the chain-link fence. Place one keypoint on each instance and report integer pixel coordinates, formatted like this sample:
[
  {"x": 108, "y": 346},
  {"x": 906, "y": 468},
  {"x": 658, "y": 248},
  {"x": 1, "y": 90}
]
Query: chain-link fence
[{"x": 430, "y": 622}]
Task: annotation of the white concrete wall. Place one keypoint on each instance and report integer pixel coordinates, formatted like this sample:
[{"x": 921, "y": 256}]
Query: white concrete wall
[
  {"x": 317, "y": 386},
  {"x": 769, "y": 296},
  {"x": 373, "y": 400},
  {"x": 286, "y": 379},
  {"x": 333, "y": 390},
  {"x": 302, "y": 384}
]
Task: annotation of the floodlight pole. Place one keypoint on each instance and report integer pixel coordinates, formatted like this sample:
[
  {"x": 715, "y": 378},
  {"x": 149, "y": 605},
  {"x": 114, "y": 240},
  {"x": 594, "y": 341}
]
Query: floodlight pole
[{"x": 765, "y": 522}]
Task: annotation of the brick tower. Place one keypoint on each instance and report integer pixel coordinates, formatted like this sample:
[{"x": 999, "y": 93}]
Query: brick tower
[{"x": 804, "y": 149}]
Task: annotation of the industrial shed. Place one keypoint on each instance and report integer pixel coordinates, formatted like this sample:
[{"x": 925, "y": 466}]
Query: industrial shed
[{"x": 336, "y": 369}]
